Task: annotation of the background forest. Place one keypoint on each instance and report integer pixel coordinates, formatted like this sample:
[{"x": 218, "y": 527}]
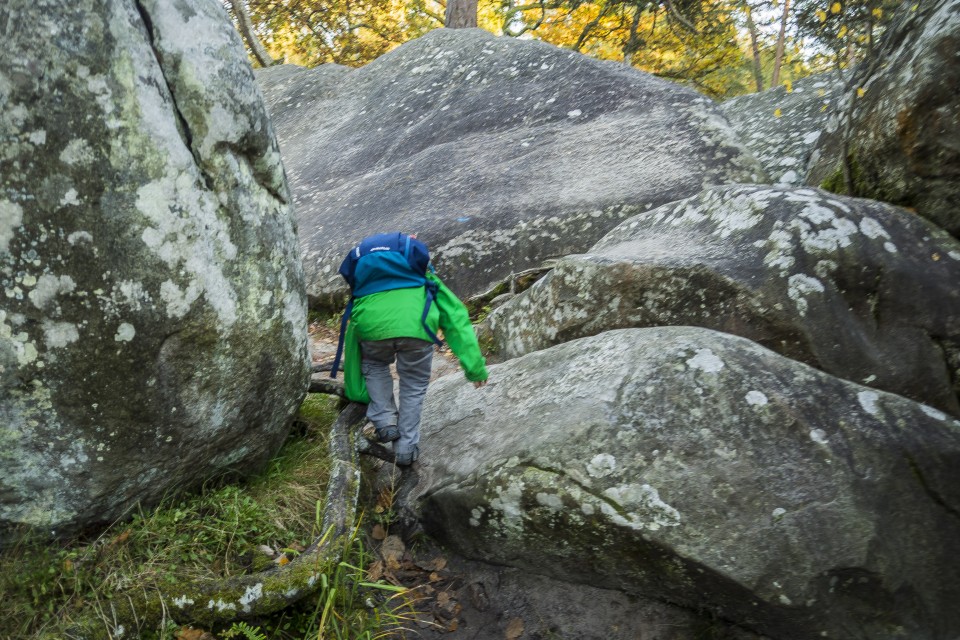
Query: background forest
[{"x": 723, "y": 48}]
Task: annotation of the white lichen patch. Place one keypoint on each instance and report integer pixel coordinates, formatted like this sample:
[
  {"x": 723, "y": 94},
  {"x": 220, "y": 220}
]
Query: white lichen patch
[
  {"x": 80, "y": 236},
  {"x": 125, "y": 332},
  {"x": 508, "y": 504},
  {"x": 640, "y": 508},
  {"x": 601, "y": 465},
  {"x": 220, "y": 605},
  {"x": 799, "y": 286},
  {"x": 182, "y": 601},
  {"x": 57, "y": 335},
  {"x": 933, "y": 413},
  {"x": 71, "y": 197},
  {"x": 868, "y": 400},
  {"x": 756, "y": 398},
  {"x": 819, "y": 436},
  {"x": 48, "y": 287},
  {"x": 77, "y": 153},
  {"x": 189, "y": 236},
  {"x": 178, "y": 302},
  {"x": 873, "y": 229},
  {"x": 705, "y": 360},
  {"x": 550, "y": 501},
  {"x": 11, "y": 217},
  {"x": 252, "y": 594}
]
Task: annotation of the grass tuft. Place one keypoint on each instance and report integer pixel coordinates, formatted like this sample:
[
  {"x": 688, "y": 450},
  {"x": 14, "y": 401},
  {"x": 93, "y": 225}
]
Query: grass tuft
[{"x": 219, "y": 532}]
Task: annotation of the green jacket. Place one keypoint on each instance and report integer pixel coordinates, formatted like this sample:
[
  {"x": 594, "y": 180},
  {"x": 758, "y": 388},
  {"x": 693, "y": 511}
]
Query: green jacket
[{"x": 397, "y": 314}]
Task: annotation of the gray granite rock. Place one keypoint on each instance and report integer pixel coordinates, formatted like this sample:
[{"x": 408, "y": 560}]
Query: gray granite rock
[
  {"x": 701, "y": 469},
  {"x": 782, "y": 127},
  {"x": 899, "y": 132},
  {"x": 861, "y": 289},
  {"x": 499, "y": 152},
  {"x": 153, "y": 316}
]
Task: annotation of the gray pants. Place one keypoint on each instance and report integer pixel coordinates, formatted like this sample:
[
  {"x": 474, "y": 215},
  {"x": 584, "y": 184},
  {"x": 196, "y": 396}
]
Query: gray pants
[{"x": 414, "y": 360}]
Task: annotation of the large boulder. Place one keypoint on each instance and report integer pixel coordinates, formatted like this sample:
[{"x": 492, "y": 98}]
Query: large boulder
[
  {"x": 861, "y": 289},
  {"x": 781, "y": 126},
  {"x": 499, "y": 152},
  {"x": 153, "y": 317},
  {"x": 701, "y": 469},
  {"x": 899, "y": 133}
]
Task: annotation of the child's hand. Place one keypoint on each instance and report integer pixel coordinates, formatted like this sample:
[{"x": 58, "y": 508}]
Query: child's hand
[{"x": 480, "y": 383}]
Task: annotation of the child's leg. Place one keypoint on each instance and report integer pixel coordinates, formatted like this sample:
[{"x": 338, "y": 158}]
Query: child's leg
[
  {"x": 375, "y": 361},
  {"x": 414, "y": 361}
]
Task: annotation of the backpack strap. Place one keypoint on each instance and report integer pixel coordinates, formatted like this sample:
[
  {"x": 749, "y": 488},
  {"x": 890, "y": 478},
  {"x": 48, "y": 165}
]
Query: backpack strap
[
  {"x": 432, "y": 290},
  {"x": 343, "y": 333}
]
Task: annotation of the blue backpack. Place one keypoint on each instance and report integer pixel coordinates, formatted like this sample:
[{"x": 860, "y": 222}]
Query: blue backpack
[{"x": 384, "y": 262}]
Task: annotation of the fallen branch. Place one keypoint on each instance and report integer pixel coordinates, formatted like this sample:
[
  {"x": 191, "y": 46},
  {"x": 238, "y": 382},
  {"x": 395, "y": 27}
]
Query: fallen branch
[
  {"x": 327, "y": 385},
  {"x": 214, "y": 602}
]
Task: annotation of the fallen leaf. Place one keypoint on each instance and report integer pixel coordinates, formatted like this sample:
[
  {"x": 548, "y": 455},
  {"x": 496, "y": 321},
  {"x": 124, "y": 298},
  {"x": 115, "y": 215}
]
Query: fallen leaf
[
  {"x": 378, "y": 533},
  {"x": 392, "y": 551},
  {"x": 437, "y": 564},
  {"x": 842, "y": 32},
  {"x": 821, "y": 15},
  {"x": 123, "y": 537},
  {"x": 375, "y": 571},
  {"x": 861, "y": 92},
  {"x": 453, "y": 625},
  {"x": 443, "y": 598},
  {"x": 188, "y": 633},
  {"x": 936, "y": 257},
  {"x": 514, "y": 629},
  {"x": 836, "y": 7},
  {"x": 435, "y": 577},
  {"x": 878, "y": 13},
  {"x": 777, "y": 113}
]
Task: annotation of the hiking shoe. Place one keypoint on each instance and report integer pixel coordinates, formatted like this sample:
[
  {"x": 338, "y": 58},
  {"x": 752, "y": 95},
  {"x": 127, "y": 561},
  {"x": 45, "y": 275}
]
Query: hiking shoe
[
  {"x": 406, "y": 459},
  {"x": 388, "y": 434}
]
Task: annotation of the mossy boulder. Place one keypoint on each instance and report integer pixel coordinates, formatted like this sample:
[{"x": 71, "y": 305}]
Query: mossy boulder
[
  {"x": 698, "y": 468},
  {"x": 153, "y": 315},
  {"x": 499, "y": 152},
  {"x": 863, "y": 290},
  {"x": 898, "y": 139}
]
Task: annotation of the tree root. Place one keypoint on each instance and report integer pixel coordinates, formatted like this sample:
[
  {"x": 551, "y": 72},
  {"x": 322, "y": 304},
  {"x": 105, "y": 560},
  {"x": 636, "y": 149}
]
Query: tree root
[{"x": 213, "y": 602}]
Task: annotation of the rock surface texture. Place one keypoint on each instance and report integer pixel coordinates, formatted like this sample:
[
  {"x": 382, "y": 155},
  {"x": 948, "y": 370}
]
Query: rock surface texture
[
  {"x": 782, "y": 127},
  {"x": 500, "y": 153},
  {"x": 899, "y": 133},
  {"x": 699, "y": 468},
  {"x": 860, "y": 289},
  {"x": 153, "y": 317}
]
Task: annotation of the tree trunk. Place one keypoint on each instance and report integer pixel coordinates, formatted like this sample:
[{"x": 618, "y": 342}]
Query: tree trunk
[
  {"x": 634, "y": 42},
  {"x": 246, "y": 30},
  {"x": 781, "y": 44},
  {"x": 461, "y": 14},
  {"x": 755, "y": 46}
]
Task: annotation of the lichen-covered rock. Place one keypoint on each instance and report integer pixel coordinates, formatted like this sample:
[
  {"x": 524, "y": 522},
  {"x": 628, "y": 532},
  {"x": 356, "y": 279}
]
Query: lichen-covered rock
[
  {"x": 499, "y": 152},
  {"x": 701, "y": 469},
  {"x": 861, "y": 289},
  {"x": 153, "y": 316},
  {"x": 782, "y": 127},
  {"x": 899, "y": 132}
]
